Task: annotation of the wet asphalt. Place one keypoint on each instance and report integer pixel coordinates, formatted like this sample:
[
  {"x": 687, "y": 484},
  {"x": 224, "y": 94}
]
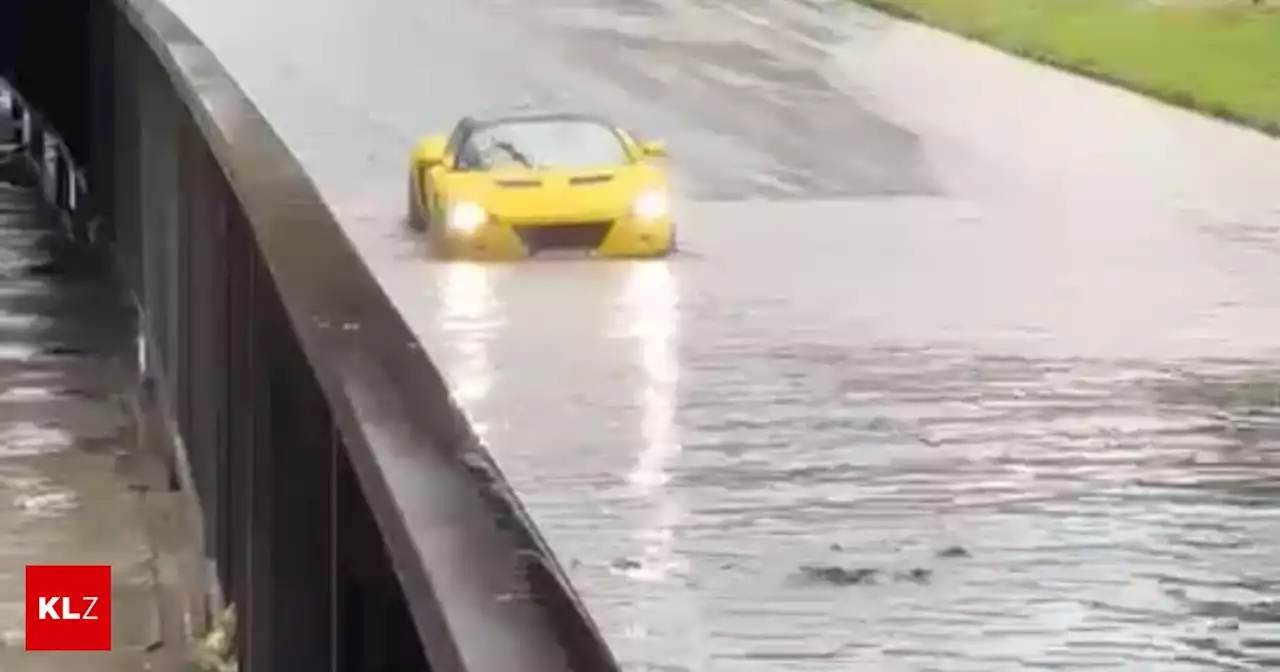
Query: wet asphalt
[{"x": 967, "y": 364}]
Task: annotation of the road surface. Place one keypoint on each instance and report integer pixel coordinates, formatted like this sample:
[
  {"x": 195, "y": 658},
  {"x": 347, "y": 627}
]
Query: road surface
[{"x": 933, "y": 297}]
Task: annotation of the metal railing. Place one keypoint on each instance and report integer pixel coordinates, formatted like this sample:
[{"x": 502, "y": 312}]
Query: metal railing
[
  {"x": 32, "y": 142},
  {"x": 347, "y": 509}
]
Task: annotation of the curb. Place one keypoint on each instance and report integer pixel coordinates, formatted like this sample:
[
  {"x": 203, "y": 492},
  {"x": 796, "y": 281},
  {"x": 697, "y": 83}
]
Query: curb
[{"x": 1181, "y": 99}]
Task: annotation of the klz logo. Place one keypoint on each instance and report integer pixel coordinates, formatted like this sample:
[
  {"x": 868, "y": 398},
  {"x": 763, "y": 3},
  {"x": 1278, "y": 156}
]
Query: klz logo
[
  {"x": 49, "y": 609},
  {"x": 68, "y": 608}
]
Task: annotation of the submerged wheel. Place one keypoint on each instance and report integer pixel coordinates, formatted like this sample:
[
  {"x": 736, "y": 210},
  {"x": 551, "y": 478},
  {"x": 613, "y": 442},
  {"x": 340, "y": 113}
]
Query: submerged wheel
[{"x": 413, "y": 216}]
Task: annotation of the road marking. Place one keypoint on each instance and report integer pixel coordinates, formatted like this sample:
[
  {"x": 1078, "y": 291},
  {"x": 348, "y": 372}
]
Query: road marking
[
  {"x": 748, "y": 16},
  {"x": 763, "y": 22}
]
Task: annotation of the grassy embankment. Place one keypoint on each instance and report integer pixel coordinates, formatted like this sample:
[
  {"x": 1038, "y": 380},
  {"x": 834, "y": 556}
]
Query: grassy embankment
[{"x": 1218, "y": 57}]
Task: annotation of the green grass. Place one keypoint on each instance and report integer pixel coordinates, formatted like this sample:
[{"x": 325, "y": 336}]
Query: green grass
[{"x": 1220, "y": 57}]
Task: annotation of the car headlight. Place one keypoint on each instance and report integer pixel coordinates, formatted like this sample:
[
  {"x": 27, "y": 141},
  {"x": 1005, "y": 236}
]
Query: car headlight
[
  {"x": 651, "y": 205},
  {"x": 466, "y": 217}
]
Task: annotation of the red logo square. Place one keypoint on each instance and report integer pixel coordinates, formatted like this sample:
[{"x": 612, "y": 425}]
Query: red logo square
[{"x": 68, "y": 608}]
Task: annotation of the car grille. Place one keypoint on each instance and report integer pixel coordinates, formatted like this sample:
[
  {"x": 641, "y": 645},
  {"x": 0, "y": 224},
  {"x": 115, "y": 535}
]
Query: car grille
[{"x": 580, "y": 236}]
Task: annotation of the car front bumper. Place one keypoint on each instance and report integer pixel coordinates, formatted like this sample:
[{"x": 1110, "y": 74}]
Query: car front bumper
[{"x": 499, "y": 240}]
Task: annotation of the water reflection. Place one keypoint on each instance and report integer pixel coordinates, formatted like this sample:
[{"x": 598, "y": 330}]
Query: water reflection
[
  {"x": 469, "y": 313},
  {"x": 651, "y": 307},
  {"x": 660, "y": 606}
]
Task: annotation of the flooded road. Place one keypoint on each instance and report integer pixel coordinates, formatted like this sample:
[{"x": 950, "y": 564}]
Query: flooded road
[{"x": 969, "y": 365}]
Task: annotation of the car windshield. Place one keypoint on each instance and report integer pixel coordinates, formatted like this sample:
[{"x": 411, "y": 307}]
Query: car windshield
[{"x": 543, "y": 144}]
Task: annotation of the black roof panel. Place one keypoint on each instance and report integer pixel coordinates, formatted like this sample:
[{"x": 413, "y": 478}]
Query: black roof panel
[{"x": 525, "y": 114}]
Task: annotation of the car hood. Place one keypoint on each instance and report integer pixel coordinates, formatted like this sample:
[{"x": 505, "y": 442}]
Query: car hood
[{"x": 521, "y": 194}]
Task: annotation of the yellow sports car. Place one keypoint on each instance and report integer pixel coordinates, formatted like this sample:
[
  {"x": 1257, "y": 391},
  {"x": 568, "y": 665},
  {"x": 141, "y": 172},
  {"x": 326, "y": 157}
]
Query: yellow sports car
[{"x": 514, "y": 186}]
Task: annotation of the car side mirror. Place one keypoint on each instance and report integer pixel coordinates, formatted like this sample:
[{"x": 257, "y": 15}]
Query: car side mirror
[
  {"x": 429, "y": 161},
  {"x": 430, "y": 152},
  {"x": 654, "y": 148}
]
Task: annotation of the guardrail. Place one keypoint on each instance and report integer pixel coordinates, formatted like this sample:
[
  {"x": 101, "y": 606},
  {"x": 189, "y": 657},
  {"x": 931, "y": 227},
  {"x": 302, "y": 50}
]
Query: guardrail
[
  {"x": 45, "y": 155},
  {"x": 346, "y": 507}
]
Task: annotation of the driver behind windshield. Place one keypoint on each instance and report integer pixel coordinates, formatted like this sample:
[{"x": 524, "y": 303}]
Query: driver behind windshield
[{"x": 543, "y": 145}]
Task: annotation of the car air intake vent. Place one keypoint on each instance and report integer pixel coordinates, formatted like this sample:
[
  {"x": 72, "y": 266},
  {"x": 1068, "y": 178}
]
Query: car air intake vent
[
  {"x": 590, "y": 179},
  {"x": 518, "y": 184},
  {"x": 579, "y": 236}
]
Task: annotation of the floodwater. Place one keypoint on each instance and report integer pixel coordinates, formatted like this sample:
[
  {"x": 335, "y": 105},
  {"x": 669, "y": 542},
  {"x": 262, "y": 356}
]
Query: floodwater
[
  {"x": 969, "y": 365},
  {"x": 68, "y": 492}
]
